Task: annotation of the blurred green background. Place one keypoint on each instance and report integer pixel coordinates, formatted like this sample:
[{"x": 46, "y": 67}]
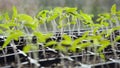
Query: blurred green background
[{"x": 31, "y": 7}]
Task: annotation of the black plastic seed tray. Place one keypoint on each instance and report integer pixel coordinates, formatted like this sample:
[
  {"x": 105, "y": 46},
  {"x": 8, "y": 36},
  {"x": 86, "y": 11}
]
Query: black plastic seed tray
[
  {"x": 107, "y": 65},
  {"x": 12, "y": 58}
]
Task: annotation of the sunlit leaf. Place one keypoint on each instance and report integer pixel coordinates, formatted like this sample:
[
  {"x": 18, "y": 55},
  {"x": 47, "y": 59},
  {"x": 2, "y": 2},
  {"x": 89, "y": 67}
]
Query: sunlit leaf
[
  {"x": 50, "y": 43},
  {"x": 13, "y": 36},
  {"x": 85, "y": 34},
  {"x": 1, "y": 17},
  {"x": 98, "y": 37},
  {"x": 73, "y": 22},
  {"x": 25, "y": 18},
  {"x": 1, "y": 31},
  {"x": 67, "y": 37},
  {"x": 67, "y": 9},
  {"x": 52, "y": 17},
  {"x": 14, "y": 12},
  {"x": 66, "y": 43},
  {"x": 31, "y": 25},
  {"x": 42, "y": 37},
  {"x": 113, "y": 20},
  {"x": 87, "y": 18},
  {"x": 58, "y": 10},
  {"x": 84, "y": 45},
  {"x": 96, "y": 42},
  {"x": 60, "y": 48},
  {"x": 105, "y": 23},
  {"x": 42, "y": 14},
  {"x": 11, "y": 24},
  {"x": 66, "y": 40},
  {"x": 116, "y": 28},
  {"x": 109, "y": 32},
  {"x": 3, "y": 26},
  {"x": 6, "y": 15},
  {"x": 102, "y": 56},
  {"x": 60, "y": 26},
  {"x": 113, "y": 9},
  {"x": 118, "y": 12},
  {"x": 75, "y": 43},
  {"x": 27, "y": 48},
  {"x": 104, "y": 44},
  {"x": 117, "y": 38},
  {"x": 95, "y": 30},
  {"x": 98, "y": 19}
]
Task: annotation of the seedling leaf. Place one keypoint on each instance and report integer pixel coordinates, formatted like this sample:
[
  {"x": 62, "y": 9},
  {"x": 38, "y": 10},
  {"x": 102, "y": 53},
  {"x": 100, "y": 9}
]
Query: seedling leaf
[
  {"x": 50, "y": 43},
  {"x": 117, "y": 38},
  {"x": 14, "y": 13},
  {"x": 104, "y": 44},
  {"x": 13, "y": 36},
  {"x": 25, "y": 18},
  {"x": 113, "y": 9},
  {"x": 27, "y": 48}
]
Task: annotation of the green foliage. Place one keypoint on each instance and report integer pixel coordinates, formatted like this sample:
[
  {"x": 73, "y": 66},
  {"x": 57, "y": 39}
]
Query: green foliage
[
  {"x": 104, "y": 44},
  {"x": 14, "y": 27},
  {"x": 3, "y": 26},
  {"x": 51, "y": 43},
  {"x": 109, "y": 32},
  {"x": 117, "y": 39},
  {"x": 27, "y": 21},
  {"x": 95, "y": 30},
  {"x": 113, "y": 9},
  {"x": 60, "y": 48},
  {"x": 67, "y": 37},
  {"x": 6, "y": 16},
  {"x": 1, "y": 31},
  {"x": 25, "y": 18},
  {"x": 42, "y": 37},
  {"x": 84, "y": 45},
  {"x": 58, "y": 10},
  {"x": 15, "y": 12},
  {"x": 75, "y": 44},
  {"x": 29, "y": 47},
  {"x": 1, "y": 17},
  {"x": 70, "y": 10},
  {"x": 102, "y": 56},
  {"x": 52, "y": 17},
  {"x": 87, "y": 19},
  {"x": 14, "y": 35},
  {"x": 42, "y": 16}
]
